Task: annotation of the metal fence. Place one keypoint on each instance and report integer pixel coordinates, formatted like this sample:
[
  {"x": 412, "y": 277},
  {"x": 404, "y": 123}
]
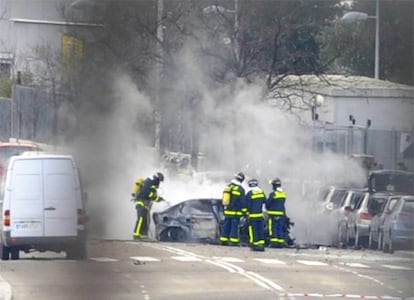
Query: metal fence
[{"x": 392, "y": 149}]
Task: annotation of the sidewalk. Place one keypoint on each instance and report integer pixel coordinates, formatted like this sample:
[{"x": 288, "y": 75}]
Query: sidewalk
[{"x": 5, "y": 290}]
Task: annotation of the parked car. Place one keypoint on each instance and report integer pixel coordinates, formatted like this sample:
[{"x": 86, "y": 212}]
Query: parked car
[
  {"x": 187, "y": 220},
  {"x": 342, "y": 215},
  {"x": 360, "y": 218},
  {"x": 332, "y": 198},
  {"x": 387, "y": 202},
  {"x": 43, "y": 207},
  {"x": 398, "y": 228}
]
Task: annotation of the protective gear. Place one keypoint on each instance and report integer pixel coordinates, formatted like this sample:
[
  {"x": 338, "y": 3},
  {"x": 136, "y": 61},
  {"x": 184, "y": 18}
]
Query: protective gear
[
  {"x": 137, "y": 187},
  {"x": 255, "y": 199},
  {"x": 146, "y": 195},
  {"x": 233, "y": 210},
  {"x": 239, "y": 177},
  {"x": 253, "y": 182},
  {"x": 275, "y": 206},
  {"x": 276, "y": 183},
  {"x": 160, "y": 176}
]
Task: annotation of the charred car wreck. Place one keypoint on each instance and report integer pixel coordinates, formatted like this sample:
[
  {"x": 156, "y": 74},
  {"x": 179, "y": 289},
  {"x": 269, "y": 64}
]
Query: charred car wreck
[{"x": 191, "y": 220}]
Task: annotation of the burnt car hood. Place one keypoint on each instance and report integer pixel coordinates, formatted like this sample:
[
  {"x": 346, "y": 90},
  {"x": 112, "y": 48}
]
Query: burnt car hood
[{"x": 188, "y": 220}]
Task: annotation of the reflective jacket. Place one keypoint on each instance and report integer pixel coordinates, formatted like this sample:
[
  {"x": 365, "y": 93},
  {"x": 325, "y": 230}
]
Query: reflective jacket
[
  {"x": 237, "y": 204},
  {"x": 255, "y": 199},
  {"x": 148, "y": 192},
  {"x": 275, "y": 204}
]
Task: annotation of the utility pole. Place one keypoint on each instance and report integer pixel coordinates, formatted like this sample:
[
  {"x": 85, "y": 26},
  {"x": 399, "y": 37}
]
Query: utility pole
[{"x": 159, "y": 67}]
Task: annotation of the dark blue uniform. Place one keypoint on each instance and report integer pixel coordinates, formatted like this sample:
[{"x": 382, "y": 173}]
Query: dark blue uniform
[
  {"x": 275, "y": 206},
  {"x": 147, "y": 193},
  {"x": 255, "y": 199},
  {"x": 232, "y": 214}
]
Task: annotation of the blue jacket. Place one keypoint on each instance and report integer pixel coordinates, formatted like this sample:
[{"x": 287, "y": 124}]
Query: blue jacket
[
  {"x": 275, "y": 204},
  {"x": 255, "y": 199}
]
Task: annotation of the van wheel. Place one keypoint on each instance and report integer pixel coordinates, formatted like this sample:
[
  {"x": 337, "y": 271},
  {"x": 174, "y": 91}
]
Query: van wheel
[
  {"x": 5, "y": 252},
  {"x": 76, "y": 251},
  {"x": 15, "y": 253}
]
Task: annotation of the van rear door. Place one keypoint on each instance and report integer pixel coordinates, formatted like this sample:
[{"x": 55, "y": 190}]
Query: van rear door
[
  {"x": 61, "y": 193},
  {"x": 26, "y": 205},
  {"x": 44, "y": 195}
]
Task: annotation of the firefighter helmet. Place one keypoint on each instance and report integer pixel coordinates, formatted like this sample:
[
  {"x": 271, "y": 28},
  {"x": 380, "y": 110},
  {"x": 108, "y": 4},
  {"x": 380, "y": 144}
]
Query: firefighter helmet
[
  {"x": 253, "y": 182},
  {"x": 239, "y": 177},
  {"x": 159, "y": 176},
  {"x": 276, "y": 183}
]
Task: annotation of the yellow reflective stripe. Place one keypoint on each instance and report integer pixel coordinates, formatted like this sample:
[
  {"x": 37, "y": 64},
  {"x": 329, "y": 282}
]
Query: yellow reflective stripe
[
  {"x": 279, "y": 194},
  {"x": 236, "y": 193},
  {"x": 270, "y": 227},
  {"x": 250, "y": 234},
  {"x": 234, "y": 240},
  {"x": 275, "y": 213},
  {"x": 258, "y": 196},
  {"x": 224, "y": 239},
  {"x": 139, "y": 202},
  {"x": 230, "y": 213},
  {"x": 257, "y": 215}
]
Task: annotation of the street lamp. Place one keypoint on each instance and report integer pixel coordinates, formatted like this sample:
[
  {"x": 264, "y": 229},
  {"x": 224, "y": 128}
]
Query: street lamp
[{"x": 354, "y": 16}]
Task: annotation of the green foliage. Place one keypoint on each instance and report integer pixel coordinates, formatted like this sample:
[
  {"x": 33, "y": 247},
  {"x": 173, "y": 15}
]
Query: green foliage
[{"x": 5, "y": 87}]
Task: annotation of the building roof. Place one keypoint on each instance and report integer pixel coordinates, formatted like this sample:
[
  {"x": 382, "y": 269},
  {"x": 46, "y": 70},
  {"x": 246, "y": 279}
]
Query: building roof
[{"x": 347, "y": 86}]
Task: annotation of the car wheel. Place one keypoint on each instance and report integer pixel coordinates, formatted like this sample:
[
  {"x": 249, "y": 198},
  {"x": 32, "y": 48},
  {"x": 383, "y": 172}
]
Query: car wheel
[
  {"x": 15, "y": 253},
  {"x": 390, "y": 245},
  {"x": 370, "y": 242},
  {"x": 384, "y": 244},
  {"x": 5, "y": 252},
  {"x": 356, "y": 242}
]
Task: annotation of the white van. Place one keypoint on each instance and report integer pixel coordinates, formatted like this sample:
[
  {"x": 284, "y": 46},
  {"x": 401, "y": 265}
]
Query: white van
[{"x": 42, "y": 207}]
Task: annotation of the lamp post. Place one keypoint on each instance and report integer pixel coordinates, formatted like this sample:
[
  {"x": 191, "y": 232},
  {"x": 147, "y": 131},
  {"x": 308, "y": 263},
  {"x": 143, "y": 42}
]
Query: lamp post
[{"x": 353, "y": 16}]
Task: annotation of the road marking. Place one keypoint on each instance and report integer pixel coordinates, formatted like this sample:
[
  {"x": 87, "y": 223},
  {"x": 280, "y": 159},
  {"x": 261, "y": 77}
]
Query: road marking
[
  {"x": 228, "y": 259},
  {"x": 144, "y": 258},
  {"x": 397, "y": 267},
  {"x": 270, "y": 261},
  {"x": 312, "y": 263},
  {"x": 186, "y": 258},
  {"x": 354, "y": 265},
  {"x": 103, "y": 259}
]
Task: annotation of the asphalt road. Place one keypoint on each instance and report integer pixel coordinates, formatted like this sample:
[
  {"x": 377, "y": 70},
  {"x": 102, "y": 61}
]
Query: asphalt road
[{"x": 153, "y": 270}]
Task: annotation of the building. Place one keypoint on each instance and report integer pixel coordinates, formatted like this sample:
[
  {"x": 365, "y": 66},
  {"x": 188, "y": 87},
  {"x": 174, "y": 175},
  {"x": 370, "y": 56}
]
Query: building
[{"x": 356, "y": 115}]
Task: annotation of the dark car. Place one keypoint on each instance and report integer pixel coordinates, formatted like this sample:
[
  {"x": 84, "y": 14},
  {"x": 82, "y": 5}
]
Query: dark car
[
  {"x": 189, "y": 220},
  {"x": 398, "y": 229}
]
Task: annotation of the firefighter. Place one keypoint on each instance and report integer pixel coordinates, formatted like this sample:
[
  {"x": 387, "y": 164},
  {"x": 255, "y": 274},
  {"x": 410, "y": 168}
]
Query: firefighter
[
  {"x": 145, "y": 196},
  {"x": 234, "y": 207},
  {"x": 275, "y": 206},
  {"x": 255, "y": 199}
]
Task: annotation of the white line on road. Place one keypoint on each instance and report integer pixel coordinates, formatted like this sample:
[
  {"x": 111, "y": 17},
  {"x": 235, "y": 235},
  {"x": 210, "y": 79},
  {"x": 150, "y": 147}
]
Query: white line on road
[
  {"x": 144, "y": 258},
  {"x": 103, "y": 259},
  {"x": 397, "y": 267},
  {"x": 312, "y": 263},
  {"x": 354, "y": 265},
  {"x": 186, "y": 258},
  {"x": 270, "y": 261}
]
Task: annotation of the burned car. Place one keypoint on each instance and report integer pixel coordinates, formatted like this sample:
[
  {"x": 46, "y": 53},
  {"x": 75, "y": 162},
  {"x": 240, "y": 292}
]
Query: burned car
[{"x": 192, "y": 220}]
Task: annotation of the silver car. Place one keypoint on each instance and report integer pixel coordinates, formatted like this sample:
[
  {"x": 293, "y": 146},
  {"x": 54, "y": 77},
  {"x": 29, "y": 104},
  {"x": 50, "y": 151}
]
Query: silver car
[
  {"x": 398, "y": 229},
  {"x": 387, "y": 201}
]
